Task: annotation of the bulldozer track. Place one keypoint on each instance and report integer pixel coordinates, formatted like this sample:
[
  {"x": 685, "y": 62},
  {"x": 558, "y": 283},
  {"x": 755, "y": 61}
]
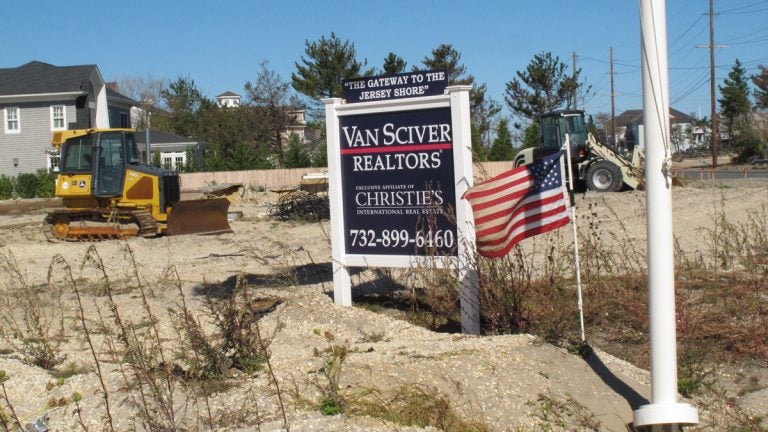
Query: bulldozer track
[{"x": 91, "y": 225}]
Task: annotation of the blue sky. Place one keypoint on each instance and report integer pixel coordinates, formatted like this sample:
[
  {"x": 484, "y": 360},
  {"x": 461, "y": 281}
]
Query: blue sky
[{"x": 221, "y": 44}]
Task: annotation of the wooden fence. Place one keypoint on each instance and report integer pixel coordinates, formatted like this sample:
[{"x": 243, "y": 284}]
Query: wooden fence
[{"x": 285, "y": 178}]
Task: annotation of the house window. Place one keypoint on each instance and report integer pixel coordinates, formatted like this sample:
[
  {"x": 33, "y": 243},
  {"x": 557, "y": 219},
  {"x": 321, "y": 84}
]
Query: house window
[
  {"x": 58, "y": 117},
  {"x": 54, "y": 160},
  {"x": 124, "y": 121},
  {"x": 12, "y": 120},
  {"x": 174, "y": 160}
]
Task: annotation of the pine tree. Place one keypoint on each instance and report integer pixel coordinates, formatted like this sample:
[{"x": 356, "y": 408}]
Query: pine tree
[
  {"x": 531, "y": 138},
  {"x": 393, "y": 64},
  {"x": 446, "y": 57},
  {"x": 478, "y": 149},
  {"x": 734, "y": 103},
  {"x": 327, "y": 63},
  {"x": 184, "y": 101},
  {"x": 543, "y": 86},
  {"x": 483, "y": 109},
  {"x": 502, "y": 148},
  {"x": 761, "y": 92},
  {"x": 297, "y": 155}
]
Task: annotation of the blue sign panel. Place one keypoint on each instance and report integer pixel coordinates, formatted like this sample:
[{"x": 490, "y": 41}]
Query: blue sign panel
[
  {"x": 398, "y": 86},
  {"x": 398, "y": 183}
]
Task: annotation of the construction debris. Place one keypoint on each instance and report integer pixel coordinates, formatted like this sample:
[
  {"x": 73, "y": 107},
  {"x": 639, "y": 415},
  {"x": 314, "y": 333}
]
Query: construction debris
[{"x": 301, "y": 205}]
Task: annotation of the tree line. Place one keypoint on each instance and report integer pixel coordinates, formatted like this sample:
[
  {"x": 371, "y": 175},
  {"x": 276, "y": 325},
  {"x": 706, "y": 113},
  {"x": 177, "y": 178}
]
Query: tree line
[
  {"x": 256, "y": 135},
  {"x": 746, "y": 137}
]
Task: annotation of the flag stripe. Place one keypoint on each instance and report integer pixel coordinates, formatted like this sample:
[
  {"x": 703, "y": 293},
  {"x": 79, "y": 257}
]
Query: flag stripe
[
  {"x": 535, "y": 209},
  {"x": 507, "y": 208},
  {"x": 505, "y": 196},
  {"x": 519, "y": 204},
  {"x": 521, "y": 224},
  {"x": 500, "y": 251}
]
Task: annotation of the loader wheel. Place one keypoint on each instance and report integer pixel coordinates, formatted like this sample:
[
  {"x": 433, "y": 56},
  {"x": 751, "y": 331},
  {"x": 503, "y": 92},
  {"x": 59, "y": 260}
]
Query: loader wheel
[{"x": 604, "y": 176}]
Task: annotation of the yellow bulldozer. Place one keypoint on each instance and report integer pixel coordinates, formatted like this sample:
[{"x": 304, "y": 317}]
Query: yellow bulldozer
[{"x": 108, "y": 193}]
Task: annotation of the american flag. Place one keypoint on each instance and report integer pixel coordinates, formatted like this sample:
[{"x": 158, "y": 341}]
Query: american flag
[{"x": 518, "y": 204}]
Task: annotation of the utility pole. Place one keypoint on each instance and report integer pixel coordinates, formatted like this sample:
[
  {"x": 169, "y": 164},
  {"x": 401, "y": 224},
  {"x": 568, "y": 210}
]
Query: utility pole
[
  {"x": 713, "y": 110},
  {"x": 575, "y": 106},
  {"x": 715, "y": 132},
  {"x": 613, "y": 107}
]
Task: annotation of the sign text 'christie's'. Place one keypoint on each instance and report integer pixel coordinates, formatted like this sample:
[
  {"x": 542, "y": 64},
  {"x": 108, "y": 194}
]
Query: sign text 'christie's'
[{"x": 404, "y": 85}]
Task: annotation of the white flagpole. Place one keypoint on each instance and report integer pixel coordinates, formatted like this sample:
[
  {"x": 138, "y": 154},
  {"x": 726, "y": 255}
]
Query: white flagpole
[
  {"x": 575, "y": 236},
  {"x": 664, "y": 413}
]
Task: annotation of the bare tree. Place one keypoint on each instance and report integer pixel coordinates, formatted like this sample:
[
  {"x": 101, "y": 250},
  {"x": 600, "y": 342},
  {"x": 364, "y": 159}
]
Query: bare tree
[
  {"x": 604, "y": 125},
  {"x": 147, "y": 91}
]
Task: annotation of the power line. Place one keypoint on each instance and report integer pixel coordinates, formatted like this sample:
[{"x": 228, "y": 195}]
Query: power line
[
  {"x": 677, "y": 39},
  {"x": 746, "y": 35},
  {"x": 744, "y": 7},
  {"x": 743, "y": 13},
  {"x": 607, "y": 62}
]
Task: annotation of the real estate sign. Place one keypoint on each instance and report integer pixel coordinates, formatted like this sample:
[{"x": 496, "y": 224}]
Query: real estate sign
[{"x": 399, "y": 160}]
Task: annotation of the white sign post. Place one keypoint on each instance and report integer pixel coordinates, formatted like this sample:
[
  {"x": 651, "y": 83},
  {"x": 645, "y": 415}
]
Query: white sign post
[{"x": 397, "y": 171}]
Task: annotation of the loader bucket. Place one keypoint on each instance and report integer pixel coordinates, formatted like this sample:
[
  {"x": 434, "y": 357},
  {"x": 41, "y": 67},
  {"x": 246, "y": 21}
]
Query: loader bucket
[{"x": 203, "y": 216}]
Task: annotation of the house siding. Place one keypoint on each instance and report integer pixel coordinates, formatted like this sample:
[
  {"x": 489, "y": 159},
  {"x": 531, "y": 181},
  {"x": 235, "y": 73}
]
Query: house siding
[
  {"x": 80, "y": 89},
  {"x": 115, "y": 114},
  {"x": 31, "y": 145}
]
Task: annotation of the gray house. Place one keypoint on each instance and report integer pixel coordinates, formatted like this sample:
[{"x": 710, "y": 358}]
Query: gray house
[
  {"x": 37, "y": 99},
  {"x": 684, "y": 132}
]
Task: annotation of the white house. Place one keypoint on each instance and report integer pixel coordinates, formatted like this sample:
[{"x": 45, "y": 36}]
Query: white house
[{"x": 228, "y": 100}]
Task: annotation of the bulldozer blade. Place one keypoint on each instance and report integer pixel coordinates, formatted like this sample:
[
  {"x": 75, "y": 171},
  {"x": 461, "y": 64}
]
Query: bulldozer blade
[{"x": 203, "y": 216}]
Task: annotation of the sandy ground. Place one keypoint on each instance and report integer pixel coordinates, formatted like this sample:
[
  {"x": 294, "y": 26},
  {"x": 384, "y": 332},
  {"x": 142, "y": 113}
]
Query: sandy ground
[{"x": 504, "y": 380}]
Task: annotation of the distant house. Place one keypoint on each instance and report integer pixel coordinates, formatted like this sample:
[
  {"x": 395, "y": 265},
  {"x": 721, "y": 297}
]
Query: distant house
[
  {"x": 228, "y": 100},
  {"x": 173, "y": 149},
  {"x": 684, "y": 132},
  {"x": 38, "y": 98}
]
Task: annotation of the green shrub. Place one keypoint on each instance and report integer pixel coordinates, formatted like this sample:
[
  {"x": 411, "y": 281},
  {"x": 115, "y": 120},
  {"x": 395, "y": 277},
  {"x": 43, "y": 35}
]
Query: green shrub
[
  {"x": 27, "y": 185},
  {"x": 46, "y": 183},
  {"x": 748, "y": 147},
  {"x": 6, "y": 187}
]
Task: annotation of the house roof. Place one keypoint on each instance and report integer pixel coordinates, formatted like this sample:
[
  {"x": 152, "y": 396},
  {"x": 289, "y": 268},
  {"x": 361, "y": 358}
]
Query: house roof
[
  {"x": 158, "y": 137},
  {"x": 228, "y": 94},
  {"x": 119, "y": 97},
  {"x": 37, "y": 77},
  {"x": 636, "y": 117}
]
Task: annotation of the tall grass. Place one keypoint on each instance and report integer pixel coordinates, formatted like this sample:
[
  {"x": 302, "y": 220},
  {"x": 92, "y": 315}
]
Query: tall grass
[{"x": 167, "y": 382}]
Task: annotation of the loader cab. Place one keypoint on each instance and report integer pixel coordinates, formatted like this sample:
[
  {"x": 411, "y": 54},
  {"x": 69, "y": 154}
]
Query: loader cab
[{"x": 555, "y": 125}]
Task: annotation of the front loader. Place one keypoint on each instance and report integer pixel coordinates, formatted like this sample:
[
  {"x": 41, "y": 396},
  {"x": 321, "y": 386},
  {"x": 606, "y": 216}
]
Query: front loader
[
  {"x": 601, "y": 168},
  {"x": 108, "y": 193}
]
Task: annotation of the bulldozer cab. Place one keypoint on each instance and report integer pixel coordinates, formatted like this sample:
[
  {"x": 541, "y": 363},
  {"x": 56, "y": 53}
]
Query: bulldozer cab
[
  {"x": 104, "y": 156},
  {"x": 556, "y": 125}
]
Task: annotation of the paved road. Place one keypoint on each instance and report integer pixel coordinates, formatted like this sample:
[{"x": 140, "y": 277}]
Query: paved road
[{"x": 721, "y": 174}]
